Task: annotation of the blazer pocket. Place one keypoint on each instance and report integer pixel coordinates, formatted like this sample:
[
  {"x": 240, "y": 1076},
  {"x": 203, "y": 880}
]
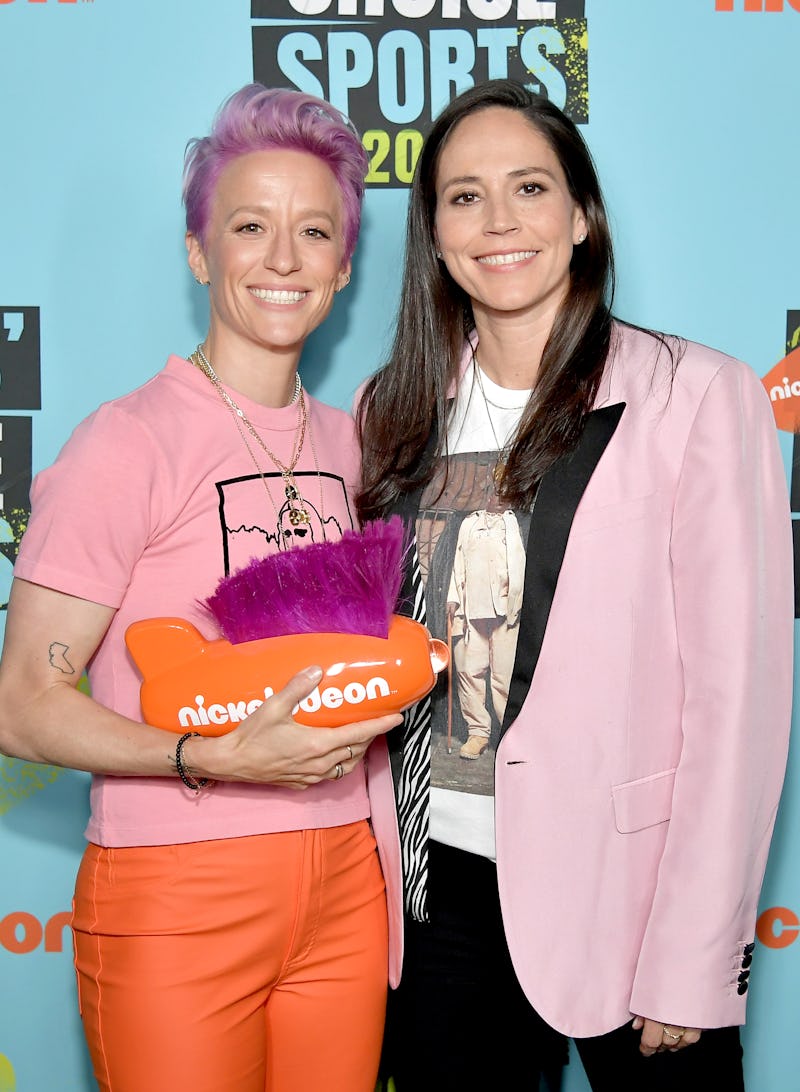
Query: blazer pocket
[{"x": 644, "y": 802}]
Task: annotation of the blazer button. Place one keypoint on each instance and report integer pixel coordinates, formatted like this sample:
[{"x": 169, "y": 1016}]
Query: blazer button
[
  {"x": 749, "y": 948},
  {"x": 741, "y": 988},
  {"x": 748, "y": 959},
  {"x": 743, "y": 977}
]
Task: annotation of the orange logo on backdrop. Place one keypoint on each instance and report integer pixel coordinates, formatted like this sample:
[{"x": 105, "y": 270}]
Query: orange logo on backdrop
[
  {"x": 757, "y": 5},
  {"x": 783, "y": 387},
  {"x": 21, "y": 932},
  {"x": 778, "y": 927}
]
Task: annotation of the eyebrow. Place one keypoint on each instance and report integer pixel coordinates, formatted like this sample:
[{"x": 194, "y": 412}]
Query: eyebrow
[
  {"x": 520, "y": 172},
  {"x": 265, "y": 210}
]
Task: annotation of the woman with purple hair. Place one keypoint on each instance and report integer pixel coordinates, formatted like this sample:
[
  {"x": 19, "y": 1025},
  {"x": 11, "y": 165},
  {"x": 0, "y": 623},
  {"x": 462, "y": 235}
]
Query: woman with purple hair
[{"x": 230, "y": 930}]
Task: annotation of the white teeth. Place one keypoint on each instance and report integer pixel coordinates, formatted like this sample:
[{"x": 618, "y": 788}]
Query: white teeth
[
  {"x": 507, "y": 259},
  {"x": 282, "y": 296}
]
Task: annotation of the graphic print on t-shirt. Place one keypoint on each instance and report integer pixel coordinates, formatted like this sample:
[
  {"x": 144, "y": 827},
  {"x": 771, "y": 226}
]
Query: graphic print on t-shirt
[
  {"x": 471, "y": 548},
  {"x": 251, "y": 528}
]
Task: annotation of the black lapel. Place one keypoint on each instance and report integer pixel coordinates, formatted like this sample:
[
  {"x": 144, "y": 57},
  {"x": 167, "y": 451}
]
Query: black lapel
[{"x": 558, "y": 497}]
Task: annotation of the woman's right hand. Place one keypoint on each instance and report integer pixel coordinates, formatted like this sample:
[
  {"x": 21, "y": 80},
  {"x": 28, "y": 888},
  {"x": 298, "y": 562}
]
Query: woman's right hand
[{"x": 271, "y": 747}]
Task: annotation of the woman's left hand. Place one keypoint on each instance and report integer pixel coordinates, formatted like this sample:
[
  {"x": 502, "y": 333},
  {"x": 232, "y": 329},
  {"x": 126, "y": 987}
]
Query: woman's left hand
[{"x": 657, "y": 1037}]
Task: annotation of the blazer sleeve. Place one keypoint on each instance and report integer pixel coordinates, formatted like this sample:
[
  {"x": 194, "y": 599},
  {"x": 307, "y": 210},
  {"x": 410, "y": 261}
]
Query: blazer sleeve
[{"x": 731, "y": 552}]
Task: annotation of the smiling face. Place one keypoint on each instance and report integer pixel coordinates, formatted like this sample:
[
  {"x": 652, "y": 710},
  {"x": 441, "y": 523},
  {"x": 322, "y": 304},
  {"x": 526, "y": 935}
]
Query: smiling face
[
  {"x": 273, "y": 253},
  {"x": 505, "y": 222}
]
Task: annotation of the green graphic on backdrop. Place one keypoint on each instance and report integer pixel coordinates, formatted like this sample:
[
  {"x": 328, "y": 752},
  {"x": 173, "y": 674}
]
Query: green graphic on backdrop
[
  {"x": 576, "y": 68},
  {"x": 8, "y": 1082},
  {"x": 18, "y": 781},
  {"x": 17, "y": 521},
  {"x": 12, "y": 527}
]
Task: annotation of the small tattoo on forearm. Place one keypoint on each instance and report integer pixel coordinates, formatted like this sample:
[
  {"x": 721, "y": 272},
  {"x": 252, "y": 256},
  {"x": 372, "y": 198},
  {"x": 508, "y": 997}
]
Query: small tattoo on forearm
[{"x": 58, "y": 658}]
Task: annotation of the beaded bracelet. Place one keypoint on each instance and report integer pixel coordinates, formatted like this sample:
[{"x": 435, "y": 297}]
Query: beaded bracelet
[{"x": 195, "y": 784}]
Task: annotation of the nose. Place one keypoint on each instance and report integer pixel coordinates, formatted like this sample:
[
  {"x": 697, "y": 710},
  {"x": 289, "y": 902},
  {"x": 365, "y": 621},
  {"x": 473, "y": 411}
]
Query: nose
[
  {"x": 282, "y": 254},
  {"x": 500, "y": 215}
]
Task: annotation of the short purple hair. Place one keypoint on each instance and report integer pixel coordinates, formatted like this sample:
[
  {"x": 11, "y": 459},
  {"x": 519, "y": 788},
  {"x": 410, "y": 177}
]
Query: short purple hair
[{"x": 257, "y": 119}]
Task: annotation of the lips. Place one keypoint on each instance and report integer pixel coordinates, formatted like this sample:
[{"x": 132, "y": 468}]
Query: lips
[
  {"x": 281, "y": 295},
  {"x": 507, "y": 259}
]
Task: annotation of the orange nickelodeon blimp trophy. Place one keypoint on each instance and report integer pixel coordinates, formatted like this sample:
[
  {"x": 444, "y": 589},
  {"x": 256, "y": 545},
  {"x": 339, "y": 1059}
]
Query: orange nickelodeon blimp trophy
[{"x": 328, "y": 604}]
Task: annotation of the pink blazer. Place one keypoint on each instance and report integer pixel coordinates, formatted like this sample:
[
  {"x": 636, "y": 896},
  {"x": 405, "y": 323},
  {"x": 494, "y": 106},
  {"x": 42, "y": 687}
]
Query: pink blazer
[{"x": 646, "y": 734}]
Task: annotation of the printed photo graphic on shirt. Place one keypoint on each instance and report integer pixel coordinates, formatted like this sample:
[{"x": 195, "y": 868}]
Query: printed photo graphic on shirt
[
  {"x": 471, "y": 548},
  {"x": 254, "y": 524}
]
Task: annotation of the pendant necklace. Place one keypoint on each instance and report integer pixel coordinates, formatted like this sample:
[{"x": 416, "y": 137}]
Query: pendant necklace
[
  {"x": 295, "y": 504},
  {"x": 503, "y": 450}
]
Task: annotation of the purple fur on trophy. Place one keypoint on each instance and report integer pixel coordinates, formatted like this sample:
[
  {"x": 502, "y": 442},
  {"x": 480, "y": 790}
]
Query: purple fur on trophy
[{"x": 349, "y": 586}]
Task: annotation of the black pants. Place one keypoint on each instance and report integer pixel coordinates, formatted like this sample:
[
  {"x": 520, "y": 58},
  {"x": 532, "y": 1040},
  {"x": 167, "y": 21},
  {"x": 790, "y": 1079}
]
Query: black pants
[{"x": 460, "y": 1021}]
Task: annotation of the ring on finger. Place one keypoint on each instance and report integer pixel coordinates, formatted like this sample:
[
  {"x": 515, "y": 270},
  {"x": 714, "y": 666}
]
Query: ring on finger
[
  {"x": 672, "y": 1035},
  {"x": 339, "y": 771},
  {"x": 349, "y": 750}
]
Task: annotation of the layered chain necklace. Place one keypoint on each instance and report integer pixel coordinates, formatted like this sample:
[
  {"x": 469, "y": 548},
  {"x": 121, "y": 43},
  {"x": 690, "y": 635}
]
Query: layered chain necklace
[
  {"x": 297, "y": 508},
  {"x": 503, "y": 450}
]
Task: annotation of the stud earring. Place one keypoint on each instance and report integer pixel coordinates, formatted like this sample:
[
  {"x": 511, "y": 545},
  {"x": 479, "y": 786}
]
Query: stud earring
[
  {"x": 439, "y": 255},
  {"x": 582, "y": 236}
]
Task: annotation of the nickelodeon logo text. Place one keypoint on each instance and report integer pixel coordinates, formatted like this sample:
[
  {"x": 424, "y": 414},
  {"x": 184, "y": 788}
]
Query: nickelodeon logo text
[
  {"x": 21, "y": 932},
  {"x": 757, "y": 5},
  {"x": 778, "y": 927}
]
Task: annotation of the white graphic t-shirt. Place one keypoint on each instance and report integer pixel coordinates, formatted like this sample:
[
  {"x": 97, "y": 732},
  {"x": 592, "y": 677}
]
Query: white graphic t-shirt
[{"x": 471, "y": 547}]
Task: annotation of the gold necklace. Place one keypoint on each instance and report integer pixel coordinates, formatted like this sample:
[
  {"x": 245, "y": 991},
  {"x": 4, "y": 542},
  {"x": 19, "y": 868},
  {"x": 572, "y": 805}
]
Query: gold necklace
[{"x": 297, "y": 507}]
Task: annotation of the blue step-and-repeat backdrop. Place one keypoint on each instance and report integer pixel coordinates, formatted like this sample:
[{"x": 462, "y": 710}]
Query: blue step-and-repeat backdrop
[{"x": 691, "y": 110}]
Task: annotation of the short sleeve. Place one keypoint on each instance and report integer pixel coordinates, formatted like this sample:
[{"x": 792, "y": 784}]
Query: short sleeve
[{"x": 94, "y": 510}]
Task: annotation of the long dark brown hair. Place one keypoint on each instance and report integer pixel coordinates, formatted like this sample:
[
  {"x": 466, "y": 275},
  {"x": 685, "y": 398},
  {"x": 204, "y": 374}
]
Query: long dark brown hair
[{"x": 406, "y": 401}]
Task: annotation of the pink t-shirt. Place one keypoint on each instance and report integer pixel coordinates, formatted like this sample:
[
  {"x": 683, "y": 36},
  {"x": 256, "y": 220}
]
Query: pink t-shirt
[{"x": 151, "y": 501}]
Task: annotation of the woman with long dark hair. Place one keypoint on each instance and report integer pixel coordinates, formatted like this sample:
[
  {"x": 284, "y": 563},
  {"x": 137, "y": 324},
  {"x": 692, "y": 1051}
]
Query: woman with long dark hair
[{"x": 601, "y": 532}]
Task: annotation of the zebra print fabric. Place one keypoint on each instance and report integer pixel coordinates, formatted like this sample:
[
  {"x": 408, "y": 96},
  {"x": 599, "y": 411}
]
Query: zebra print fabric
[{"x": 413, "y": 790}]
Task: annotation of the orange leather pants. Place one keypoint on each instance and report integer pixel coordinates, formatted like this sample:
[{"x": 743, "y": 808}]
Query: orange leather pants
[{"x": 244, "y": 965}]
